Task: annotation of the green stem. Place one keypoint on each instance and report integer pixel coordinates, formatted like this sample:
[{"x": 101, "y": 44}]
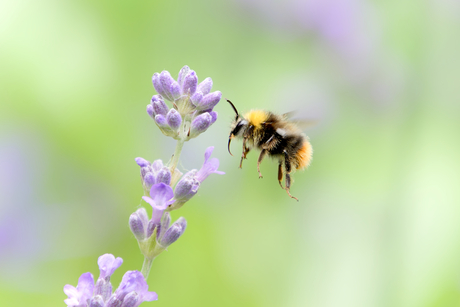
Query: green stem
[
  {"x": 176, "y": 156},
  {"x": 146, "y": 267}
]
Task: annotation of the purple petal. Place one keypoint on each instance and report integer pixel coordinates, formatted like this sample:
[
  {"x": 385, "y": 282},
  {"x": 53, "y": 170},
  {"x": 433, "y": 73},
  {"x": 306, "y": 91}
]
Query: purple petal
[
  {"x": 142, "y": 162},
  {"x": 150, "y": 110},
  {"x": 214, "y": 116},
  {"x": 207, "y": 169},
  {"x": 161, "y": 194},
  {"x": 190, "y": 83},
  {"x": 208, "y": 153},
  {"x": 205, "y": 86},
  {"x": 166, "y": 81},
  {"x": 108, "y": 264},
  {"x": 149, "y": 296},
  {"x": 82, "y": 293},
  {"x": 182, "y": 73},
  {"x": 133, "y": 281}
]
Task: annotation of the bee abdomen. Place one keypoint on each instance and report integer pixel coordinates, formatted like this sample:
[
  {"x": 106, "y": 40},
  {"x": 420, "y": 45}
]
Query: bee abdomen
[{"x": 303, "y": 154}]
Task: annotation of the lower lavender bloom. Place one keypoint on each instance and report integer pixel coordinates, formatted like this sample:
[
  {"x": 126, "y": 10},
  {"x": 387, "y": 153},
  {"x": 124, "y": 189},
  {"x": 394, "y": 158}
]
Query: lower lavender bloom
[
  {"x": 80, "y": 296},
  {"x": 133, "y": 289}
]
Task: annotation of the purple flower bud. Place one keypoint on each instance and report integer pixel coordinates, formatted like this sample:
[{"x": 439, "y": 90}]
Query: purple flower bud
[
  {"x": 114, "y": 302},
  {"x": 164, "y": 175},
  {"x": 108, "y": 264},
  {"x": 130, "y": 299},
  {"x": 200, "y": 124},
  {"x": 186, "y": 187},
  {"x": 182, "y": 73},
  {"x": 142, "y": 162},
  {"x": 142, "y": 213},
  {"x": 149, "y": 180},
  {"x": 150, "y": 228},
  {"x": 205, "y": 86},
  {"x": 137, "y": 226},
  {"x": 96, "y": 301},
  {"x": 164, "y": 225},
  {"x": 166, "y": 81},
  {"x": 173, "y": 119},
  {"x": 214, "y": 116},
  {"x": 174, "y": 232},
  {"x": 190, "y": 83},
  {"x": 157, "y": 84},
  {"x": 161, "y": 121},
  {"x": 103, "y": 288},
  {"x": 150, "y": 110},
  {"x": 157, "y": 165},
  {"x": 209, "y": 101},
  {"x": 175, "y": 90},
  {"x": 196, "y": 98},
  {"x": 159, "y": 106}
]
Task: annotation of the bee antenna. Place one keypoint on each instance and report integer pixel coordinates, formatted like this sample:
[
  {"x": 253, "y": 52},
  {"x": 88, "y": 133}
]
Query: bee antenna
[{"x": 234, "y": 109}]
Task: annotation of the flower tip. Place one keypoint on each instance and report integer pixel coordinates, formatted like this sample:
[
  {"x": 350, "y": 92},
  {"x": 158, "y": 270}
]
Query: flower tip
[{"x": 142, "y": 162}]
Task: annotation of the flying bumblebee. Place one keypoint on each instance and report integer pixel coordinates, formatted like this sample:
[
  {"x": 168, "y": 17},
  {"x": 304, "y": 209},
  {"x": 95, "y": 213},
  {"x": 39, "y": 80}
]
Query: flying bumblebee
[{"x": 276, "y": 136}]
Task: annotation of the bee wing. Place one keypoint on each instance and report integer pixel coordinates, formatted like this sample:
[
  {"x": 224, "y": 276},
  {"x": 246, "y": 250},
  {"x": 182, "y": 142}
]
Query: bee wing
[{"x": 301, "y": 123}]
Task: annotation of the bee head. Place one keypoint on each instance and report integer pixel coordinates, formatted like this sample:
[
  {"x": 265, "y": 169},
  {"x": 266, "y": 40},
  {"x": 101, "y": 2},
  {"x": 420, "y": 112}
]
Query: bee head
[{"x": 239, "y": 124}]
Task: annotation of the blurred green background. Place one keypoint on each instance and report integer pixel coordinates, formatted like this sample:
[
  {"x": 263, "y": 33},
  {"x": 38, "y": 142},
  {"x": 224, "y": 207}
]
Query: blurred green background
[{"x": 378, "y": 221}]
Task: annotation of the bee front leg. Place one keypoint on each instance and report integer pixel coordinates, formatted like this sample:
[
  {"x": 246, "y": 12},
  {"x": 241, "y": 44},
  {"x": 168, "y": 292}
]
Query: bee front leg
[
  {"x": 287, "y": 165},
  {"x": 245, "y": 152},
  {"x": 261, "y": 156}
]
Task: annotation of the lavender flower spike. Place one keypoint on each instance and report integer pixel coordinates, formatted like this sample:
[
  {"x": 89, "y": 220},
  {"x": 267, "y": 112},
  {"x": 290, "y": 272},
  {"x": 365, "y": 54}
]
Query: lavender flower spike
[
  {"x": 80, "y": 295},
  {"x": 209, "y": 166}
]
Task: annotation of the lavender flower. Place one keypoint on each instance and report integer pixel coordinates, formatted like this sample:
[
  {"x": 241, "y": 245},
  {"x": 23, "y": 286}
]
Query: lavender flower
[
  {"x": 189, "y": 184},
  {"x": 160, "y": 198},
  {"x": 134, "y": 282},
  {"x": 209, "y": 167},
  {"x": 133, "y": 289},
  {"x": 80, "y": 295},
  {"x": 152, "y": 173},
  {"x": 190, "y": 101}
]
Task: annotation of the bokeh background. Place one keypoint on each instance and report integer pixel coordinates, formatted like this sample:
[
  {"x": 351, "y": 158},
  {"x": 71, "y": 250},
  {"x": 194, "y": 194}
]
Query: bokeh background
[{"x": 378, "y": 221}]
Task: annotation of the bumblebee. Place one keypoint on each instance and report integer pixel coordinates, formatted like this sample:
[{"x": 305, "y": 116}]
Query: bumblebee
[{"x": 276, "y": 136}]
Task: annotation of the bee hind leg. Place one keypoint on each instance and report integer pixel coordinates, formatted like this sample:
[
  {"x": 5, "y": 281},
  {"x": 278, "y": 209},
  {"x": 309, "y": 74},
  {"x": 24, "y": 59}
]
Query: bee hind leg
[
  {"x": 287, "y": 166},
  {"x": 280, "y": 175},
  {"x": 288, "y": 186}
]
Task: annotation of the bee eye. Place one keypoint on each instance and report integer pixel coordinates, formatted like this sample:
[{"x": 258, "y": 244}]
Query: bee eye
[{"x": 238, "y": 127}]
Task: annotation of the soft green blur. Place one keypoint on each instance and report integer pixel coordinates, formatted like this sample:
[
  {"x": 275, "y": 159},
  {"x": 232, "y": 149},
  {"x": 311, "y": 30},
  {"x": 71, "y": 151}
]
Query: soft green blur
[{"x": 378, "y": 221}]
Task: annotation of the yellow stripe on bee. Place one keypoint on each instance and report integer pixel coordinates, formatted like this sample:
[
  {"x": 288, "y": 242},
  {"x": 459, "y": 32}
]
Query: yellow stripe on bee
[{"x": 256, "y": 117}]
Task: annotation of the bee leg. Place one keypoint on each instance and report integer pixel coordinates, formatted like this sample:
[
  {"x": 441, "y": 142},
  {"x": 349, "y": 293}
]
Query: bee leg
[
  {"x": 245, "y": 152},
  {"x": 280, "y": 174},
  {"x": 261, "y": 156},
  {"x": 287, "y": 166}
]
